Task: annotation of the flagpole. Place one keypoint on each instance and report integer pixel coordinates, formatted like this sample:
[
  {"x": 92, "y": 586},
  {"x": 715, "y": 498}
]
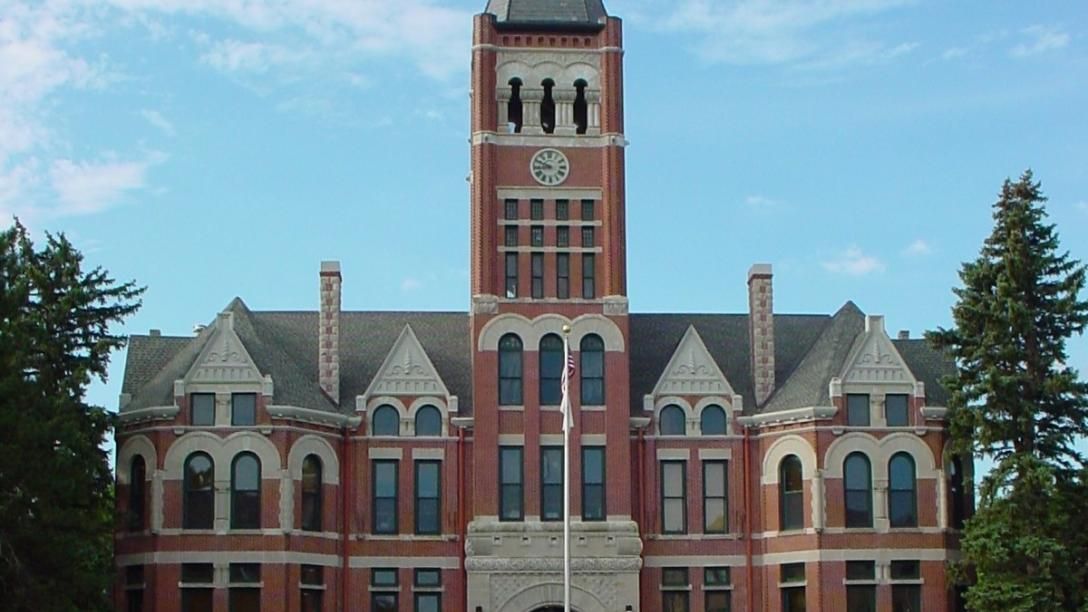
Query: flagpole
[{"x": 567, "y": 422}]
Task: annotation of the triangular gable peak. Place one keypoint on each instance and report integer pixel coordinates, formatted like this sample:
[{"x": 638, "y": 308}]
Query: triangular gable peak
[
  {"x": 224, "y": 358},
  {"x": 407, "y": 370},
  {"x": 692, "y": 371},
  {"x": 874, "y": 359}
]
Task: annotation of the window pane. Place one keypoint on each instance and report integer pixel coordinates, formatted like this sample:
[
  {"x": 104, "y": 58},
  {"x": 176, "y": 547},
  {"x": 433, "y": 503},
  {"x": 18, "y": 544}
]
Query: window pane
[
  {"x": 715, "y": 516},
  {"x": 672, "y": 421},
  {"x": 511, "y": 275},
  {"x": 427, "y": 478},
  {"x": 794, "y": 517},
  {"x": 587, "y": 237},
  {"x": 385, "y": 478},
  {"x": 906, "y": 598},
  {"x": 511, "y": 209},
  {"x": 202, "y": 409},
  {"x": 859, "y": 496},
  {"x": 136, "y": 494},
  {"x": 562, "y": 210},
  {"x": 428, "y": 421},
  {"x": 386, "y": 421},
  {"x": 511, "y": 503},
  {"x": 311, "y": 600},
  {"x": 857, "y": 409},
  {"x": 717, "y": 601},
  {"x": 196, "y": 600},
  {"x": 511, "y": 465},
  {"x": 673, "y": 478},
  {"x": 716, "y": 576},
  {"x": 902, "y": 501},
  {"x": 713, "y": 421},
  {"x": 714, "y": 478},
  {"x": 593, "y": 502},
  {"x": 510, "y": 474},
  {"x": 905, "y": 570},
  {"x": 673, "y": 520},
  {"x": 675, "y": 601},
  {"x": 383, "y": 602},
  {"x": 587, "y": 210},
  {"x": 383, "y": 577},
  {"x": 510, "y": 368},
  {"x": 860, "y": 570},
  {"x": 592, "y": 370},
  {"x": 135, "y": 599},
  {"x": 428, "y": 602},
  {"x": 197, "y": 573},
  {"x": 312, "y": 574},
  {"x": 793, "y": 599},
  {"x": 536, "y": 209},
  {"x": 860, "y": 598},
  {"x": 895, "y": 410},
  {"x": 198, "y": 493},
  {"x": 674, "y": 576},
  {"x": 385, "y": 496},
  {"x": 551, "y": 370},
  {"x": 792, "y": 572},
  {"x": 428, "y": 578},
  {"x": 247, "y": 573},
  {"x": 589, "y": 273},
  {"x": 562, "y": 236},
  {"x": 134, "y": 575},
  {"x": 427, "y": 497},
  {"x": 243, "y": 409},
  {"x": 511, "y": 236}
]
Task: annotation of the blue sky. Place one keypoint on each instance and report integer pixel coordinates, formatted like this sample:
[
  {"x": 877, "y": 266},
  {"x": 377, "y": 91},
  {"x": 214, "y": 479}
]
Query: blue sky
[{"x": 210, "y": 148}]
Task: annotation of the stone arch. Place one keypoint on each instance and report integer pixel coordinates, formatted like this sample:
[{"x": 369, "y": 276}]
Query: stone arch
[
  {"x": 374, "y": 403},
  {"x": 174, "y": 462},
  {"x": 715, "y": 400},
  {"x": 532, "y": 331},
  {"x": 924, "y": 463},
  {"x": 428, "y": 400},
  {"x": 136, "y": 446},
  {"x": 547, "y": 594},
  {"x": 504, "y": 324},
  {"x": 314, "y": 445},
  {"x": 853, "y": 442},
  {"x": 222, "y": 452},
  {"x": 600, "y": 325},
  {"x": 691, "y": 423},
  {"x": 791, "y": 444}
]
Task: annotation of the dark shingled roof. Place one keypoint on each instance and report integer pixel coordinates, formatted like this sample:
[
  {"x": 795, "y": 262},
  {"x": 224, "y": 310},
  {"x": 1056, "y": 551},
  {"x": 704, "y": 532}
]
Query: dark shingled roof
[
  {"x": 809, "y": 351},
  {"x": 548, "y": 13}
]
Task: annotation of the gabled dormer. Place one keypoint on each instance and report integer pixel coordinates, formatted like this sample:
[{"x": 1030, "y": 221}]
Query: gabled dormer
[
  {"x": 875, "y": 385},
  {"x": 408, "y": 371},
  {"x": 691, "y": 381}
]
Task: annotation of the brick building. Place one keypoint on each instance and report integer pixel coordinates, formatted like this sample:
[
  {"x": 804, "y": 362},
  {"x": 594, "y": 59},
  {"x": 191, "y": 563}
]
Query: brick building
[{"x": 337, "y": 460}]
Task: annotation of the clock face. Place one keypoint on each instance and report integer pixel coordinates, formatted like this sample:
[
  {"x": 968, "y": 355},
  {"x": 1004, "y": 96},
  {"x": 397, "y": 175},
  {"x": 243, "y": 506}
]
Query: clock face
[{"x": 549, "y": 167}]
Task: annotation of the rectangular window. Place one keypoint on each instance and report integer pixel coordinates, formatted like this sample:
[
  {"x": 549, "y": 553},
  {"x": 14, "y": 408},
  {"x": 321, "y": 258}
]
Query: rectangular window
[
  {"x": 674, "y": 589},
  {"x": 134, "y": 588},
  {"x": 426, "y": 599},
  {"x": 428, "y": 497},
  {"x": 245, "y": 587},
  {"x": 792, "y": 583},
  {"x": 861, "y": 586},
  {"x": 588, "y": 237},
  {"x": 906, "y": 570},
  {"x": 674, "y": 507},
  {"x": 384, "y": 584},
  {"x": 589, "y": 273},
  {"x": 312, "y": 588},
  {"x": 197, "y": 573},
  {"x": 895, "y": 409},
  {"x": 202, "y": 409},
  {"x": 562, "y": 210},
  {"x": 562, "y": 276},
  {"x": 857, "y": 409},
  {"x": 511, "y": 239},
  {"x": 196, "y": 600},
  {"x": 511, "y": 275},
  {"x": 384, "y": 578},
  {"x": 383, "y": 602},
  {"x": 197, "y": 587},
  {"x": 715, "y": 487},
  {"x": 587, "y": 210},
  {"x": 511, "y": 506},
  {"x": 593, "y": 501},
  {"x": 511, "y": 210},
  {"x": 537, "y": 264},
  {"x": 551, "y": 483},
  {"x": 536, "y": 210},
  {"x": 716, "y": 584},
  {"x": 536, "y": 235},
  {"x": 243, "y": 409},
  {"x": 384, "y": 507},
  {"x": 562, "y": 236}
]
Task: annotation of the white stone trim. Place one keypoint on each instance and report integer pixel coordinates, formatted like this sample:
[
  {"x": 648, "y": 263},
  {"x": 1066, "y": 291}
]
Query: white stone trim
[
  {"x": 732, "y": 407},
  {"x": 783, "y": 447},
  {"x": 673, "y": 454},
  {"x": 428, "y": 453},
  {"x": 694, "y": 561},
  {"x": 594, "y": 439},
  {"x": 530, "y": 332},
  {"x": 511, "y": 439},
  {"x": 309, "y": 415},
  {"x": 795, "y": 415},
  {"x": 420, "y": 402},
  {"x": 385, "y": 453},
  {"x": 879, "y": 453},
  {"x": 691, "y": 422},
  {"x": 711, "y": 454},
  {"x": 385, "y": 400},
  {"x": 551, "y": 439},
  {"x": 314, "y": 445},
  {"x": 880, "y": 555},
  {"x": 448, "y": 563},
  {"x": 222, "y": 451},
  {"x": 223, "y": 557},
  {"x": 550, "y": 193},
  {"x": 136, "y": 446},
  {"x": 151, "y": 413},
  {"x": 582, "y": 141}
]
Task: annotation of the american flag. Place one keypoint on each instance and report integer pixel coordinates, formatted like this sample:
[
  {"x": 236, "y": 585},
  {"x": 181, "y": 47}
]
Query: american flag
[{"x": 568, "y": 372}]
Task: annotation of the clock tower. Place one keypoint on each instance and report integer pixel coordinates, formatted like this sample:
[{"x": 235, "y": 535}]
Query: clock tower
[{"x": 548, "y": 266}]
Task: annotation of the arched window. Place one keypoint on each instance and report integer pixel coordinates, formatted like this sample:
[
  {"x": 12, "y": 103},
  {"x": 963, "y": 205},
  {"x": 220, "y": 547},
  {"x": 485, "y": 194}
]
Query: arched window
[
  {"x": 956, "y": 493},
  {"x": 547, "y": 107},
  {"x": 428, "y": 421},
  {"x": 510, "y": 370},
  {"x": 513, "y": 107},
  {"x": 592, "y": 362},
  {"x": 245, "y": 492},
  {"x": 712, "y": 421},
  {"x": 137, "y": 493},
  {"x": 672, "y": 421},
  {"x": 551, "y": 370},
  {"x": 858, "y": 487},
  {"x": 791, "y": 494},
  {"x": 311, "y": 493},
  {"x": 198, "y": 493},
  {"x": 386, "y": 421},
  {"x": 902, "y": 491},
  {"x": 581, "y": 108}
]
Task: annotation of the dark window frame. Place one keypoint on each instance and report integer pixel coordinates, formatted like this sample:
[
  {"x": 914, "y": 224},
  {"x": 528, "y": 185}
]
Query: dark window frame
[
  {"x": 550, "y": 366},
  {"x": 519, "y": 486},
  {"x": 562, "y": 236},
  {"x": 666, "y": 421},
  {"x": 512, "y": 393},
  {"x": 510, "y": 236},
  {"x": 857, "y": 491},
  {"x": 312, "y": 493},
  {"x": 137, "y": 494},
  {"x": 791, "y": 507},
  {"x": 510, "y": 209},
  {"x": 591, "y": 357},
  {"x": 901, "y": 497},
  {"x": 536, "y": 235},
  {"x": 562, "y": 275},
  {"x": 713, "y": 409},
  {"x": 589, "y": 236},
  {"x": 723, "y": 498},
  {"x": 589, "y": 276},
  {"x": 536, "y": 275},
  {"x": 239, "y": 498},
  {"x": 193, "y": 409},
  {"x": 236, "y": 415},
  {"x": 589, "y": 210},
  {"x": 899, "y": 414},
  {"x": 551, "y": 489},
  {"x": 536, "y": 209},
  {"x": 377, "y": 525},
  {"x": 562, "y": 210},
  {"x": 207, "y": 494},
  {"x": 428, "y": 411},
  {"x": 858, "y": 415},
  {"x": 511, "y": 275},
  {"x": 420, "y": 499},
  {"x": 682, "y": 497},
  {"x": 589, "y": 484},
  {"x": 381, "y": 429}
]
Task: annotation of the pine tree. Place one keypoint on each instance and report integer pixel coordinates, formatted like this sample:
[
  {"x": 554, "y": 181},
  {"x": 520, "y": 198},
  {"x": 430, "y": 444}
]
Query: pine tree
[
  {"x": 56, "y": 500},
  {"x": 1015, "y": 401}
]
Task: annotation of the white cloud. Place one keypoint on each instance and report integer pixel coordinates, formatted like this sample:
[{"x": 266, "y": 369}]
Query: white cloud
[
  {"x": 917, "y": 248},
  {"x": 411, "y": 284},
  {"x": 90, "y": 187},
  {"x": 768, "y": 32},
  {"x": 1082, "y": 206},
  {"x": 952, "y": 53},
  {"x": 1040, "y": 40},
  {"x": 238, "y": 56},
  {"x": 759, "y": 201},
  {"x": 853, "y": 262},
  {"x": 156, "y": 119}
]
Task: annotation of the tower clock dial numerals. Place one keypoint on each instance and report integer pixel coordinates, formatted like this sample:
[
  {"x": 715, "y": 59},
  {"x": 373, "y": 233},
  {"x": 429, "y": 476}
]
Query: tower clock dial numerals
[{"x": 549, "y": 167}]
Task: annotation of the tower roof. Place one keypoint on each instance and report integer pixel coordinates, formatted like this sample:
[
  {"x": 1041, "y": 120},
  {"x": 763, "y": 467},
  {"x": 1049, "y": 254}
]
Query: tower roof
[{"x": 575, "y": 14}]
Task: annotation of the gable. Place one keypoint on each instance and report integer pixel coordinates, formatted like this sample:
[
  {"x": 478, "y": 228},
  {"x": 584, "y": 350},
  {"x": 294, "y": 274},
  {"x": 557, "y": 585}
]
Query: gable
[
  {"x": 407, "y": 370},
  {"x": 224, "y": 358},
  {"x": 692, "y": 370},
  {"x": 875, "y": 360}
]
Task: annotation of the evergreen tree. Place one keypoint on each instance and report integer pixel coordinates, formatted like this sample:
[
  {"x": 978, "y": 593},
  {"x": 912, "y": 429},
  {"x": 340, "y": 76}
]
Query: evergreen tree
[
  {"x": 56, "y": 489},
  {"x": 1014, "y": 400}
]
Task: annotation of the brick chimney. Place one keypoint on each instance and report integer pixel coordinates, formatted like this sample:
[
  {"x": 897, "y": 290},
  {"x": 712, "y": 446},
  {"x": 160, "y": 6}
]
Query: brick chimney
[
  {"x": 328, "y": 333},
  {"x": 761, "y": 330}
]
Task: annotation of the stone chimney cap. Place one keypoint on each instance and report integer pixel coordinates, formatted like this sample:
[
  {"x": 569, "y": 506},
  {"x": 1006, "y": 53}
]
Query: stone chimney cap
[
  {"x": 759, "y": 270},
  {"x": 874, "y": 323},
  {"x": 904, "y": 334},
  {"x": 155, "y": 333},
  {"x": 330, "y": 267}
]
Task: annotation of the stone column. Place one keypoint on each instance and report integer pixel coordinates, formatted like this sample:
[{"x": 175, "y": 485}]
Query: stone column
[
  {"x": 222, "y": 505},
  {"x": 328, "y": 367},
  {"x": 593, "y": 103},
  {"x": 564, "y": 111},
  {"x": 880, "y": 504},
  {"x": 818, "y": 494},
  {"x": 287, "y": 501},
  {"x": 530, "y": 111},
  {"x": 157, "y": 500}
]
